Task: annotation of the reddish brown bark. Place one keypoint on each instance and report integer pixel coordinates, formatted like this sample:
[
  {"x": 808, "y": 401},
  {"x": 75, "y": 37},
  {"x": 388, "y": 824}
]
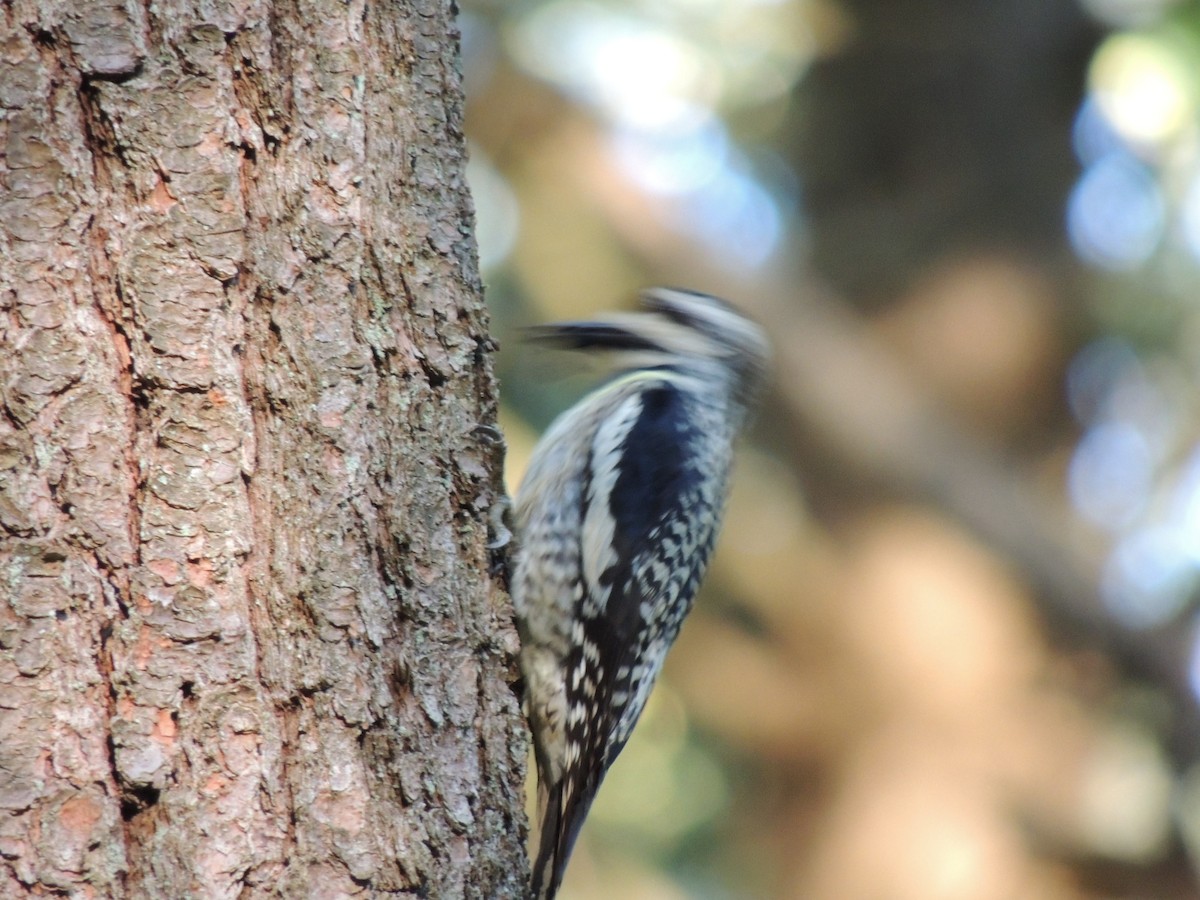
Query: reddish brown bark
[{"x": 249, "y": 645}]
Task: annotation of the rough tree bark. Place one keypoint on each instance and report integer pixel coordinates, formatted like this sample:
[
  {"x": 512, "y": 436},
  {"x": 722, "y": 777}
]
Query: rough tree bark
[{"x": 249, "y": 643}]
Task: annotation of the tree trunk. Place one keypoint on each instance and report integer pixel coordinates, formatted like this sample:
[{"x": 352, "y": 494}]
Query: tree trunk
[
  {"x": 939, "y": 129},
  {"x": 249, "y": 642}
]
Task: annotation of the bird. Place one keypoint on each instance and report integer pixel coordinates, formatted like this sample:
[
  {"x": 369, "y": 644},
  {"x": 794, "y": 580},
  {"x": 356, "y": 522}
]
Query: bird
[{"x": 616, "y": 519}]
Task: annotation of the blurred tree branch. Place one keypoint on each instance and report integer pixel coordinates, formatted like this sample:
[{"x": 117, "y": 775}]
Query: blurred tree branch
[{"x": 861, "y": 423}]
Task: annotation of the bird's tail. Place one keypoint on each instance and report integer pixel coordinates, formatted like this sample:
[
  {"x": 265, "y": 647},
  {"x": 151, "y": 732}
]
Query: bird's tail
[{"x": 563, "y": 814}]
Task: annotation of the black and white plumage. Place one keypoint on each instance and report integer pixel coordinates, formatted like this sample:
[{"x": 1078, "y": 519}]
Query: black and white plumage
[{"x": 617, "y": 516}]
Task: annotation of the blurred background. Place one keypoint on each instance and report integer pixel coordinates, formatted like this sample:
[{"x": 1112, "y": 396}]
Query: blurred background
[{"x": 948, "y": 646}]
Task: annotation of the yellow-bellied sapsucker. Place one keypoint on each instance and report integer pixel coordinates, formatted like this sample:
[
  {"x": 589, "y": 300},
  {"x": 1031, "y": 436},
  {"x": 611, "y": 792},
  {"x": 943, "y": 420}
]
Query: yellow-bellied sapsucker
[{"x": 617, "y": 516}]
